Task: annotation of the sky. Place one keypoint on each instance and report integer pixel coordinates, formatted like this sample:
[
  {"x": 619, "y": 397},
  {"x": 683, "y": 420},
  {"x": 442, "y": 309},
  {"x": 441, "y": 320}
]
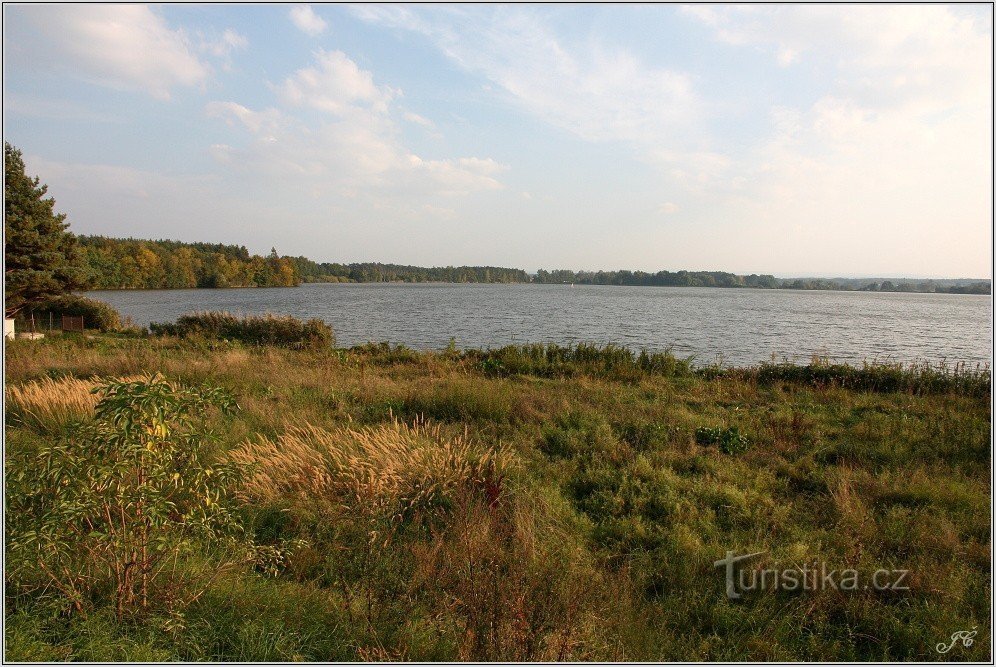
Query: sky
[{"x": 797, "y": 140}]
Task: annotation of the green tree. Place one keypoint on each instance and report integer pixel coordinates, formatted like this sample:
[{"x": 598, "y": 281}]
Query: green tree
[{"x": 40, "y": 253}]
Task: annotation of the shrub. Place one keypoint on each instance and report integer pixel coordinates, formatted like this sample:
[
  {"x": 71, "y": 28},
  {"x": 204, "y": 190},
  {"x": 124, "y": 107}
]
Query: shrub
[
  {"x": 282, "y": 330},
  {"x": 578, "y": 434},
  {"x": 382, "y": 353},
  {"x": 111, "y": 514},
  {"x": 95, "y": 314}
]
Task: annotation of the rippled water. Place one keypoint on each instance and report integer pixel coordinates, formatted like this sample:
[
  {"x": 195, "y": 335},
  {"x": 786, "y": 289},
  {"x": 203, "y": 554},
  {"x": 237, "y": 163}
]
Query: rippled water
[{"x": 736, "y": 326}]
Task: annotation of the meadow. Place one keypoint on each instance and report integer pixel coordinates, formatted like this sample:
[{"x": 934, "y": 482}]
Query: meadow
[{"x": 529, "y": 503}]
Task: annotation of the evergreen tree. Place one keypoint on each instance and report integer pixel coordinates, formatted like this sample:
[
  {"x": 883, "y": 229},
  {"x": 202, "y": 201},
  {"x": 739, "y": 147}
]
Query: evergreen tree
[{"x": 39, "y": 252}]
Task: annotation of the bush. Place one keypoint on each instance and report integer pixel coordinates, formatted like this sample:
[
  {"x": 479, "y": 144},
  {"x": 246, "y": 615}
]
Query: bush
[
  {"x": 119, "y": 513},
  {"x": 282, "y": 330},
  {"x": 914, "y": 378},
  {"x": 95, "y": 314}
]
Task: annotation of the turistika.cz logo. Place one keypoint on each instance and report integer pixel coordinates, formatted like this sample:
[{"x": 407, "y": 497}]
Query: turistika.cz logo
[{"x": 814, "y": 577}]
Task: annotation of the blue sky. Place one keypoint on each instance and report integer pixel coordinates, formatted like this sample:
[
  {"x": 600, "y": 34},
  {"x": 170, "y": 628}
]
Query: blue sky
[{"x": 786, "y": 139}]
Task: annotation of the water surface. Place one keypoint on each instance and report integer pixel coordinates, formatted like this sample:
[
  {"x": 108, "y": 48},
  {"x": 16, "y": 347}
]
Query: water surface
[{"x": 735, "y": 326}]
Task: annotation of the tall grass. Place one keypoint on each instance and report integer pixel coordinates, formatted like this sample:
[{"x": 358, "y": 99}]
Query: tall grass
[
  {"x": 255, "y": 330},
  {"x": 424, "y": 541},
  {"x": 49, "y": 405},
  {"x": 553, "y": 360},
  {"x": 914, "y": 378},
  {"x": 398, "y": 466}
]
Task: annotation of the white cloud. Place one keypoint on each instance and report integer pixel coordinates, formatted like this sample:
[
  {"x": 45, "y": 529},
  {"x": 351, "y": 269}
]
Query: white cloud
[
  {"x": 226, "y": 44},
  {"x": 597, "y": 93},
  {"x": 34, "y": 106},
  {"x": 255, "y": 121},
  {"x": 882, "y": 53},
  {"x": 787, "y": 56},
  {"x": 412, "y": 117},
  {"x": 305, "y": 18},
  {"x": 893, "y": 153},
  {"x": 353, "y": 150},
  {"x": 335, "y": 85},
  {"x": 84, "y": 190},
  {"x": 128, "y": 47},
  {"x": 667, "y": 208}
]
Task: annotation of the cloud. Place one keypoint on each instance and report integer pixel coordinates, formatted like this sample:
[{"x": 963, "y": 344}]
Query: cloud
[
  {"x": 257, "y": 122},
  {"x": 417, "y": 119},
  {"x": 305, "y": 18},
  {"x": 891, "y": 152},
  {"x": 100, "y": 199},
  {"x": 33, "y": 106},
  {"x": 351, "y": 149},
  {"x": 787, "y": 56},
  {"x": 127, "y": 47},
  {"x": 881, "y": 53},
  {"x": 335, "y": 84},
  {"x": 225, "y": 45},
  {"x": 595, "y": 92},
  {"x": 667, "y": 208}
]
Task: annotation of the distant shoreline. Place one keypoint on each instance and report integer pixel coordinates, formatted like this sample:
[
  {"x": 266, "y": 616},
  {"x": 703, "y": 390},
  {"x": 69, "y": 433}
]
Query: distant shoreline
[
  {"x": 510, "y": 284},
  {"x": 120, "y": 264}
]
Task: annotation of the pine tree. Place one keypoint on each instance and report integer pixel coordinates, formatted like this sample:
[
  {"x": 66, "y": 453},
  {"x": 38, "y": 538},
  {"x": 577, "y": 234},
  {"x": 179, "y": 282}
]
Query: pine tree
[{"x": 39, "y": 252}]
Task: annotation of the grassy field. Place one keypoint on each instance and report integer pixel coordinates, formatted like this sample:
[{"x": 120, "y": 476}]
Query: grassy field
[{"x": 541, "y": 504}]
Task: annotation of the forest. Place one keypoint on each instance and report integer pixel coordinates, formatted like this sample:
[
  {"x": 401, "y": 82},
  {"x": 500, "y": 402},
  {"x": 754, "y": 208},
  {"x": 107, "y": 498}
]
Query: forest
[
  {"x": 375, "y": 272},
  {"x": 111, "y": 263},
  {"x": 139, "y": 264}
]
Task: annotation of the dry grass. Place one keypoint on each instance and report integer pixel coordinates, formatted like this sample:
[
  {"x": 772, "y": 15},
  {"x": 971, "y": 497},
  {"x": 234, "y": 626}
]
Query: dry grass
[
  {"x": 396, "y": 466},
  {"x": 49, "y": 405}
]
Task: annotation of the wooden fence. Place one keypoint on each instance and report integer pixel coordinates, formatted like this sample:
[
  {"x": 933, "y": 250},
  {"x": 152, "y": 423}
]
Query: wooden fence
[
  {"x": 49, "y": 322},
  {"x": 72, "y": 323}
]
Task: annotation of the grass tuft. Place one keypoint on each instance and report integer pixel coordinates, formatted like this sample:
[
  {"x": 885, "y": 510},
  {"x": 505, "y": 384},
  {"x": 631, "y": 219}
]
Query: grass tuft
[{"x": 401, "y": 466}]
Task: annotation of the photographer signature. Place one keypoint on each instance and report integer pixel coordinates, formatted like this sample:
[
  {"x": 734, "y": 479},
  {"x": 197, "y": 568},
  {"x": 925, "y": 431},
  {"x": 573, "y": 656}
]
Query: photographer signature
[{"x": 964, "y": 636}]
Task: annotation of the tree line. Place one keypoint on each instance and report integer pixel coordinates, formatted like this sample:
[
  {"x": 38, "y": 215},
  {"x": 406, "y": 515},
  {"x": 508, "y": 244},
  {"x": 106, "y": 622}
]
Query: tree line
[
  {"x": 375, "y": 272},
  {"x": 111, "y": 263},
  {"x": 660, "y": 279}
]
